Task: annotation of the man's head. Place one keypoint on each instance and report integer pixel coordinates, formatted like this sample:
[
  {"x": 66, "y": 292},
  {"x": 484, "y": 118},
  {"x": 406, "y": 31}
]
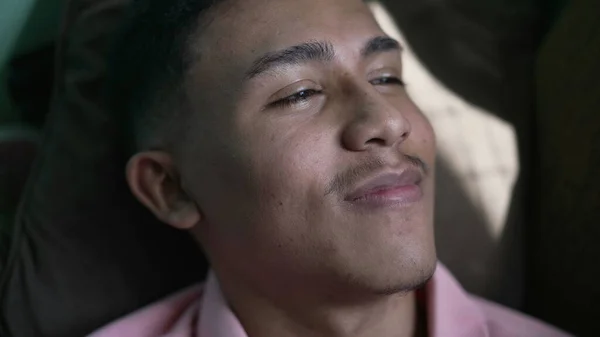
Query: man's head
[{"x": 287, "y": 144}]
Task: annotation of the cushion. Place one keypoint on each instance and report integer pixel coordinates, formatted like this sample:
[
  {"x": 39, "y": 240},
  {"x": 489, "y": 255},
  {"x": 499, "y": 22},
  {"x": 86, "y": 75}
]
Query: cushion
[
  {"x": 84, "y": 252},
  {"x": 18, "y": 146}
]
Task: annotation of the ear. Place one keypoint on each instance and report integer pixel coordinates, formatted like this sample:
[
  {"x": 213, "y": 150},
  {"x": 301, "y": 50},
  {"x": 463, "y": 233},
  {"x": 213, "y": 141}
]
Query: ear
[{"x": 153, "y": 179}]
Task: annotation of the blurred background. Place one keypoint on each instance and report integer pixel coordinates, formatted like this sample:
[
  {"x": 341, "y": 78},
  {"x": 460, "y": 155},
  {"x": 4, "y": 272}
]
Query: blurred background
[
  {"x": 28, "y": 36},
  {"x": 511, "y": 87}
]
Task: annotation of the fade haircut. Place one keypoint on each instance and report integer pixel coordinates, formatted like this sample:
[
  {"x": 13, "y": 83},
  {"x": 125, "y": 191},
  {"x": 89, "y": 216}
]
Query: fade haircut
[{"x": 147, "y": 69}]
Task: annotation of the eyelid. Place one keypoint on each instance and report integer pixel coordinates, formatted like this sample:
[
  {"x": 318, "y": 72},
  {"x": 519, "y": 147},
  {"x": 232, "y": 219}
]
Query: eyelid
[
  {"x": 293, "y": 89},
  {"x": 390, "y": 80},
  {"x": 296, "y": 99},
  {"x": 385, "y": 72}
]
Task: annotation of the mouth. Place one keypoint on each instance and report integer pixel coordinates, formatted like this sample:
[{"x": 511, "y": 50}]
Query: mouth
[{"x": 401, "y": 188}]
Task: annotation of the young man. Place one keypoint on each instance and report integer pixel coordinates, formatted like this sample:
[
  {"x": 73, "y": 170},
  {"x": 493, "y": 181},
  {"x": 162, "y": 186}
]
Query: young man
[{"x": 280, "y": 135}]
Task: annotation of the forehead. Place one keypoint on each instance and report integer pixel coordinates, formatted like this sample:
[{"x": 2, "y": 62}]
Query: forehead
[{"x": 242, "y": 30}]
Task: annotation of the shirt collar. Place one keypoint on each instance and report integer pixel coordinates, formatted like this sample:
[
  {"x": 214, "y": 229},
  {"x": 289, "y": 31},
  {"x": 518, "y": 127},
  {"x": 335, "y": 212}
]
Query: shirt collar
[
  {"x": 216, "y": 318},
  {"x": 450, "y": 310}
]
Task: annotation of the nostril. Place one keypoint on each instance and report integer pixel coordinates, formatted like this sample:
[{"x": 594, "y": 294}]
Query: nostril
[
  {"x": 405, "y": 135},
  {"x": 377, "y": 141}
]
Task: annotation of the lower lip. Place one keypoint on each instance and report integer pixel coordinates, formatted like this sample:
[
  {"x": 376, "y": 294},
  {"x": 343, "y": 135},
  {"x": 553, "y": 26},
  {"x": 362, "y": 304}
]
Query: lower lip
[{"x": 395, "y": 196}]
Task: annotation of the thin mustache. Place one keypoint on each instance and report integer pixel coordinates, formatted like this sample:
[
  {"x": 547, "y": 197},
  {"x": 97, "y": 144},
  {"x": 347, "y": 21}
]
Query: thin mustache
[{"x": 349, "y": 177}]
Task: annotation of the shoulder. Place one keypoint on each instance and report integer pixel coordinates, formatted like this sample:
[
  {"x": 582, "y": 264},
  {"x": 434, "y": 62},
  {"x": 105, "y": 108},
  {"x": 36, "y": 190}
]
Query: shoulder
[
  {"x": 505, "y": 322},
  {"x": 175, "y": 312}
]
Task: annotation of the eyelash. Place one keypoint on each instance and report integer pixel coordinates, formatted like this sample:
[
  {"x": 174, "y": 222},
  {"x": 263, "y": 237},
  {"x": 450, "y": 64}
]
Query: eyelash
[
  {"x": 304, "y": 95},
  {"x": 387, "y": 80},
  {"x": 296, "y": 98}
]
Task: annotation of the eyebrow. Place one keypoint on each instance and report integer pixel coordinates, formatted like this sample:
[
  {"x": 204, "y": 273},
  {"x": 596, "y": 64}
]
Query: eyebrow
[
  {"x": 305, "y": 52},
  {"x": 380, "y": 44},
  {"x": 315, "y": 51}
]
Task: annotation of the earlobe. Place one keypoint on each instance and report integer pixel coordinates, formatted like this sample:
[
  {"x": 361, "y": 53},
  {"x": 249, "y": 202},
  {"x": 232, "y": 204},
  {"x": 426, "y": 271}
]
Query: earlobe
[
  {"x": 153, "y": 180},
  {"x": 186, "y": 216}
]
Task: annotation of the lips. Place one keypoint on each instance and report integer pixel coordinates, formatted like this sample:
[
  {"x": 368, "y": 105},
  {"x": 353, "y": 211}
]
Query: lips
[{"x": 393, "y": 188}]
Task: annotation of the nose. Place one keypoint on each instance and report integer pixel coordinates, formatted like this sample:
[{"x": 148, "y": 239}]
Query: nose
[{"x": 375, "y": 122}]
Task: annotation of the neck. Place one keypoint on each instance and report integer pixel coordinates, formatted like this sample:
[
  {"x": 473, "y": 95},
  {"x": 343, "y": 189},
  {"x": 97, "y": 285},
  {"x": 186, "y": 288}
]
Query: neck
[{"x": 302, "y": 310}]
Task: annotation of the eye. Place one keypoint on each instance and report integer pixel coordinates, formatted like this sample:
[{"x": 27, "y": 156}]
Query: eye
[
  {"x": 299, "y": 97},
  {"x": 388, "y": 80}
]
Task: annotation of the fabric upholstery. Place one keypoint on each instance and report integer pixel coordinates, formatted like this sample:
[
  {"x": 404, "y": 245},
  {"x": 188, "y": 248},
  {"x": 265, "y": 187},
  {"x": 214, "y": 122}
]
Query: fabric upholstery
[{"x": 84, "y": 252}]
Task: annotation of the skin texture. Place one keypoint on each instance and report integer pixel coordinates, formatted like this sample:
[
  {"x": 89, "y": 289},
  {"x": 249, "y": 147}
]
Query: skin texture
[{"x": 264, "y": 187}]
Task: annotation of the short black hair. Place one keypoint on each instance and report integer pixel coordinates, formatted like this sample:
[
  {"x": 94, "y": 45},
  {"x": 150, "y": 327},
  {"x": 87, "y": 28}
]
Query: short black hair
[{"x": 146, "y": 68}]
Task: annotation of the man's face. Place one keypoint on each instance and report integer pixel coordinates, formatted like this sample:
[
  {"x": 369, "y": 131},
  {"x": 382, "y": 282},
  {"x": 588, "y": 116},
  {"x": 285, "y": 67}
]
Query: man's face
[{"x": 305, "y": 155}]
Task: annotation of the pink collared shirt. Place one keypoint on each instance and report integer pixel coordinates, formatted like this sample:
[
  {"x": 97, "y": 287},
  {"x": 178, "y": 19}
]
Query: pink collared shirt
[{"x": 202, "y": 312}]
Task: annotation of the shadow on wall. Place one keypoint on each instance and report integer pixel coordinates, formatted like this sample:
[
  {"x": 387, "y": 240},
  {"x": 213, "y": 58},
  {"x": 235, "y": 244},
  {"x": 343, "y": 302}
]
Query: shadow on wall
[
  {"x": 463, "y": 242},
  {"x": 484, "y": 265}
]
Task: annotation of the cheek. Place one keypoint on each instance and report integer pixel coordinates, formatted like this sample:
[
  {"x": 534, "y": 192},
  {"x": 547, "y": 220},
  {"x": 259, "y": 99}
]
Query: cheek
[
  {"x": 423, "y": 136},
  {"x": 292, "y": 167},
  {"x": 423, "y": 144},
  {"x": 289, "y": 176}
]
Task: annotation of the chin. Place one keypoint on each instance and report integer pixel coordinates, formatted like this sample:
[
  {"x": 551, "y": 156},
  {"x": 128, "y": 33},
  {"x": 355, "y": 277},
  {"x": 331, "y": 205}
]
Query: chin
[
  {"x": 407, "y": 272},
  {"x": 412, "y": 280}
]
